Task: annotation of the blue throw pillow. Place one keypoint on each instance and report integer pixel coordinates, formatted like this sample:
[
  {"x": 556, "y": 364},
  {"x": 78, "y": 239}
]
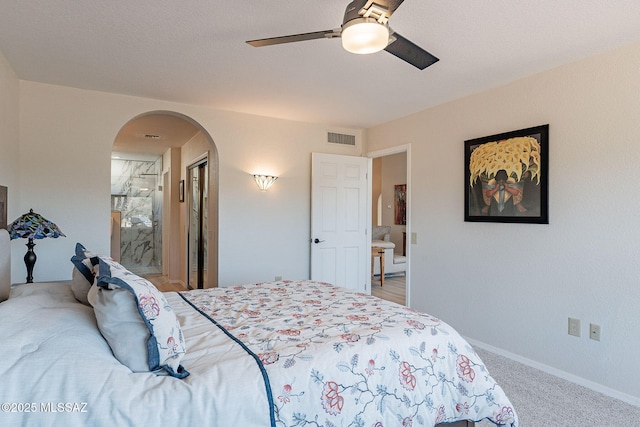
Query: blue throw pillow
[
  {"x": 83, "y": 276},
  {"x": 84, "y": 260}
]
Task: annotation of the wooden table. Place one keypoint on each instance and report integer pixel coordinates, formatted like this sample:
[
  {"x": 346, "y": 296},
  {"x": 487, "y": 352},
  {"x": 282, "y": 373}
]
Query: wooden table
[
  {"x": 404, "y": 243},
  {"x": 378, "y": 252}
]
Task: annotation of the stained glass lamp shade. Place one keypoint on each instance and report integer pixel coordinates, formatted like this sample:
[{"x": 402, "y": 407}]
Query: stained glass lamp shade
[{"x": 32, "y": 226}]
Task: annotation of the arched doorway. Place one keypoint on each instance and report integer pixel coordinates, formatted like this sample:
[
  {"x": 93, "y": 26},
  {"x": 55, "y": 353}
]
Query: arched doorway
[{"x": 150, "y": 197}]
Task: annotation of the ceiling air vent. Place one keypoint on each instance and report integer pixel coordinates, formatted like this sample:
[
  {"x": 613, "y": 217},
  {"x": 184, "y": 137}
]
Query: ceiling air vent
[{"x": 341, "y": 138}]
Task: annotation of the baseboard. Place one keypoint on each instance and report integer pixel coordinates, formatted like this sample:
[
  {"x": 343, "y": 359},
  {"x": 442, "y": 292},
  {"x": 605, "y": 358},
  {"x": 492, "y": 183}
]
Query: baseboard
[
  {"x": 393, "y": 274},
  {"x": 616, "y": 394}
]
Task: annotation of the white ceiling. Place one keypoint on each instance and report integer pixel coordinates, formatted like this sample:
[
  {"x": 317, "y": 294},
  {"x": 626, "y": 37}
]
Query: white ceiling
[{"x": 194, "y": 51}]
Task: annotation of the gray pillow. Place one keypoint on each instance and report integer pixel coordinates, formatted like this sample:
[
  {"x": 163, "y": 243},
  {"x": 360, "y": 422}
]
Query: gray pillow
[
  {"x": 119, "y": 322},
  {"x": 80, "y": 286}
]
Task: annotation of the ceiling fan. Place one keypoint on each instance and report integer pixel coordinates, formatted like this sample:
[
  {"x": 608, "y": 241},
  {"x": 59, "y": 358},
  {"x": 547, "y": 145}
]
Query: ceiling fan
[{"x": 365, "y": 29}]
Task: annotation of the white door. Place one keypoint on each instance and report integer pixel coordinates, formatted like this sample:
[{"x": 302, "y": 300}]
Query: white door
[{"x": 340, "y": 220}]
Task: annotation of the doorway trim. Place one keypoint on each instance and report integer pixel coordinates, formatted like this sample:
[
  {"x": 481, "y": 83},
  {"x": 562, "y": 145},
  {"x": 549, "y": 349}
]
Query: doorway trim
[
  {"x": 200, "y": 163},
  {"x": 405, "y": 148}
]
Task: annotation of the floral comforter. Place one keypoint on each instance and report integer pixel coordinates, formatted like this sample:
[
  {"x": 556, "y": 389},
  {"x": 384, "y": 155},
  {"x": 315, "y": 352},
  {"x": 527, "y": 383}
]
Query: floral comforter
[{"x": 332, "y": 357}]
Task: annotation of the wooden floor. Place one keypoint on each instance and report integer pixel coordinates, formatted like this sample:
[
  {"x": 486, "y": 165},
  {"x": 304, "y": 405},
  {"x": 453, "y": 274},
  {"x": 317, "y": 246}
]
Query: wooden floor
[
  {"x": 163, "y": 284},
  {"x": 393, "y": 290}
]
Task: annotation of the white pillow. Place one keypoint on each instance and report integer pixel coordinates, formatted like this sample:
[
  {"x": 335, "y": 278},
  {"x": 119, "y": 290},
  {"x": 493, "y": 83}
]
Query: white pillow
[{"x": 137, "y": 321}]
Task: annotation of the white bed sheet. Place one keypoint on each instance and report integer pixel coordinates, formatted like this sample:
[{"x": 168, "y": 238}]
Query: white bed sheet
[{"x": 52, "y": 353}]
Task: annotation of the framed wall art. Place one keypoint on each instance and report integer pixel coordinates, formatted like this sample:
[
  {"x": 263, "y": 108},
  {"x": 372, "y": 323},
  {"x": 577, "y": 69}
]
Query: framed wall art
[
  {"x": 400, "y": 202},
  {"x": 506, "y": 177}
]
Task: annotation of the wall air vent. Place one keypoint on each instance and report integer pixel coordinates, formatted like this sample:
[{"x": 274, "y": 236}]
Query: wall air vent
[{"x": 341, "y": 138}]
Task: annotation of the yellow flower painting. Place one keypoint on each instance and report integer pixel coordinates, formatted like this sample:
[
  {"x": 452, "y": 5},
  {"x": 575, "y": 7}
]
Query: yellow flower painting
[
  {"x": 506, "y": 177},
  {"x": 515, "y": 156}
]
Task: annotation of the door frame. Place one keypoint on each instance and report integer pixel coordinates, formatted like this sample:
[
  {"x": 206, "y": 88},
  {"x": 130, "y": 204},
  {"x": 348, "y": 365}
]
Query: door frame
[
  {"x": 201, "y": 160},
  {"x": 405, "y": 148}
]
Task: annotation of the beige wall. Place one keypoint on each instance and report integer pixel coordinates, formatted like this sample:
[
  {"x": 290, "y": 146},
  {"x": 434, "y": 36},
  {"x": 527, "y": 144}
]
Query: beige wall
[
  {"x": 198, "y": 148},
  {"x": 513, "y": 286},
  {"x": 9, "y": 148},
  {"x": 172, "y": 233},
  {"x": 70, "y": 183},
  {"x": 376, "y": 189}
]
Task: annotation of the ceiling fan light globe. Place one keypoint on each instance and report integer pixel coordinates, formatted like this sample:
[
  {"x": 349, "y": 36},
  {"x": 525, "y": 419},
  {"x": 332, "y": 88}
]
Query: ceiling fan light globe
[{"x": 364, "y": 35}]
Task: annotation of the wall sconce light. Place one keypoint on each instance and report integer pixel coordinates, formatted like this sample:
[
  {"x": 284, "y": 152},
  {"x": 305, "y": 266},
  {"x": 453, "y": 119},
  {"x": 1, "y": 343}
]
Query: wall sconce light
[{"x": 264, "y": 181}]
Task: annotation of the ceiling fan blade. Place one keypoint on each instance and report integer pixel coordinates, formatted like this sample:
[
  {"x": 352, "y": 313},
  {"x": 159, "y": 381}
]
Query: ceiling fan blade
[
  {"x": 295, "y": 38},
  {"x": 410, "y": 52}
]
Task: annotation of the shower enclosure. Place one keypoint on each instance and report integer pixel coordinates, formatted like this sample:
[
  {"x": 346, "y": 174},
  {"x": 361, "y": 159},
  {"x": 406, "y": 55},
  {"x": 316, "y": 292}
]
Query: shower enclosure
[{"x": 136, "y": 194}]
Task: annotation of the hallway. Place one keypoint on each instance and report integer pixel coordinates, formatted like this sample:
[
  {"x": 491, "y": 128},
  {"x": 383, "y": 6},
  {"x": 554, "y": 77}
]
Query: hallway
[{"x": 394, "y": 289}]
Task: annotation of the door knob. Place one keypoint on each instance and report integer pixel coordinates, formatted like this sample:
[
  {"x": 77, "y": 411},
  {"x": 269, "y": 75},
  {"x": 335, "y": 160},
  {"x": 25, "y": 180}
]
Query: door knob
[{"x": 316, "y": 240}]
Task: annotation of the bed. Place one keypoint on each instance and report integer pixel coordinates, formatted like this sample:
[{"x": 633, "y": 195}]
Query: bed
[{"x": 287, "y": 353}]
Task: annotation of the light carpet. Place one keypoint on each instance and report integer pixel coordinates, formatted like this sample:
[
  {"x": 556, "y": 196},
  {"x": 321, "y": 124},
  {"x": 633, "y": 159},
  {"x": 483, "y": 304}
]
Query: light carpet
[{"x": 544, "y": 400}]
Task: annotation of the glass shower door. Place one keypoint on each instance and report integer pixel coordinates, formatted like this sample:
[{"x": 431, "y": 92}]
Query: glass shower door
[{"x": 136, "y": 197}]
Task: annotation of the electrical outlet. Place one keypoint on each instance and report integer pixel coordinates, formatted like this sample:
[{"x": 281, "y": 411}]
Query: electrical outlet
[
  {"x": 594, "y": 331},
  {"x": 574, "y": 327},
  {"x": 278, "y": 278}
]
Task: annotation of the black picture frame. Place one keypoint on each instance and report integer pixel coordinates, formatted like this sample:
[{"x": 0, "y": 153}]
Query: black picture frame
[
  {"x": 4, "y": 192},
  {"x": 181, "y": 191},
  {"x": 400, "y": 203},
  {"x": 506, "y": 177}
]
